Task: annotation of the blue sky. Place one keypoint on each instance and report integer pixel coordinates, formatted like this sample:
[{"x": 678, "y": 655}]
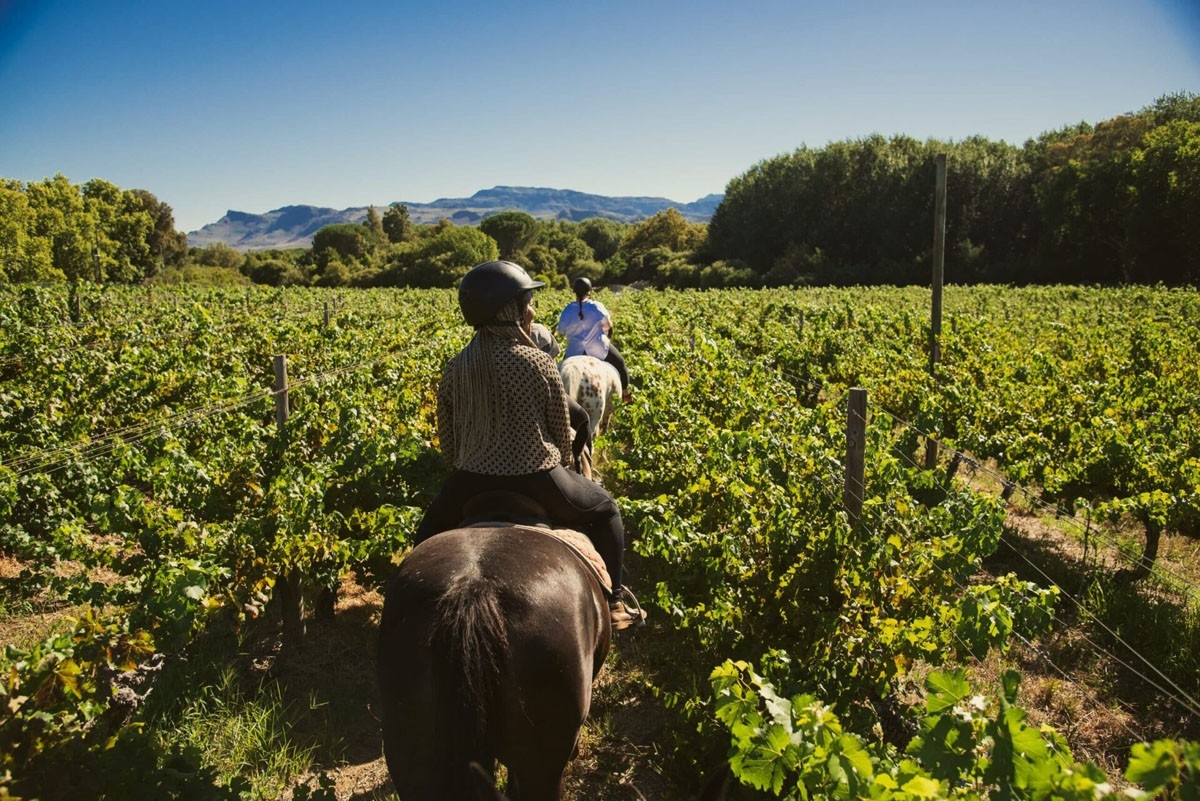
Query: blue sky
[{"x": 215, "y": 105}]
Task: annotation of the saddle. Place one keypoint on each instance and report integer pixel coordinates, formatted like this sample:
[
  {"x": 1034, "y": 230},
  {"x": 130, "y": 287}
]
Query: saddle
[{"x": 513, "y": 510}]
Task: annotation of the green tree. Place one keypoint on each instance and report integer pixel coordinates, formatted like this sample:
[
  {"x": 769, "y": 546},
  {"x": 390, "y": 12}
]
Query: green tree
[
  {"x": 1106, "y": 209},
  {"x": 1163, "y": 183},
  {"x": 396, "y": 225},
  {"x": 766, "y": 210},
  {"x": 352, "y": 243},
  {"x": 168, "y": 246},
  {"x": 539, "y": 259},
  {"x": 667, "y": 229},
  {"x": 125, "y": 229},
  {"x": 441, "y": 258},
  {"x": 603, "y": 236},
  {"x": 68, "y": 226},
  {"x": 275, "y": 267},
  {"x": 514, "y": 231},
  {"x": 218, "y": 254},
  {"x": 861, "y": 211},
  {"x": 334, "y": 272},
  {"x": 991, "y": 222},
  {"x": 274, "y": 272},
  {"x": 96, "y": 231},
  {"x": 657, "y": 240},
  {"x": 1079, "y": 179},
  {"x": 561, "y": 251},
  {"x": 23, "y": 257},
  {"x": 1175, "y": 106},
  {"x": 374, "y": 224}
]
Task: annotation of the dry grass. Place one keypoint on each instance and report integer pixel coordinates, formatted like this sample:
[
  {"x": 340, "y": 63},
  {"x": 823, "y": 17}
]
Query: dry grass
[
  {"x": 1069, "y": 682},
  {"x": 34, "y": 619}
]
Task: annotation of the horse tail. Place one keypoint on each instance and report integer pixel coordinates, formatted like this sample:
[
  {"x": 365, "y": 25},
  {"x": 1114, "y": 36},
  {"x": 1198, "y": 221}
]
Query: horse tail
[{"x": 468, "y": 640}]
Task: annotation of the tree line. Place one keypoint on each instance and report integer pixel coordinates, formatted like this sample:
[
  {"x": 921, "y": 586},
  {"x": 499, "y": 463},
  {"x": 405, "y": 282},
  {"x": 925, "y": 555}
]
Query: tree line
[
  {"x": 1110, "y": 203},
  {"x": 54, "y": 230}
]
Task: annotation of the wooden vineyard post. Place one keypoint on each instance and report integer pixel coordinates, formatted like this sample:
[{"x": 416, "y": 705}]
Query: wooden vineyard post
[
  {"x": 856, "y": 436},
  {"x": 281, "y": 392},
  {"x": 291, "y": 595},
  {"x": 326, "y": 314},
  {"x": 939, "y": 258}
]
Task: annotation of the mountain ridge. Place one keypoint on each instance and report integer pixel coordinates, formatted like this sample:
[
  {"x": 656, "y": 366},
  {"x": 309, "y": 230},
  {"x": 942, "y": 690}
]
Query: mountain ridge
[{"x": 294, "y": 226}]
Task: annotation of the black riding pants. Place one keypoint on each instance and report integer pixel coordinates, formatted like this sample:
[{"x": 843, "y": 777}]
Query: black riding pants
[
  {"x": 615, "y": 358},
  {"x": 567, "y": 497},
  {"x": 582, "y": 425}
]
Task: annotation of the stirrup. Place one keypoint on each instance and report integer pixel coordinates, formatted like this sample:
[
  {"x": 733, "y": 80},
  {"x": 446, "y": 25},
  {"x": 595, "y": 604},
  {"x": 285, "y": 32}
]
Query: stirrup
[{"x": 625, "y": 610}]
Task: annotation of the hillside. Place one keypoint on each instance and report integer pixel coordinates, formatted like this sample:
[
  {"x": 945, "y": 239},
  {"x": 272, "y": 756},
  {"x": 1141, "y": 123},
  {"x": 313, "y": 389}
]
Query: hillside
[{"x": 294, "y": 226}]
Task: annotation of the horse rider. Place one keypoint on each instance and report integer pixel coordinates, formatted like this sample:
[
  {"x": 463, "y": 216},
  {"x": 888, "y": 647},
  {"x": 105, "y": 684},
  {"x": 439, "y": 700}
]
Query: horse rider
[
  {"x": 587, "y": 325},
  {"x": 503, "y": 423},
  {"x": 581, "y": 424}
]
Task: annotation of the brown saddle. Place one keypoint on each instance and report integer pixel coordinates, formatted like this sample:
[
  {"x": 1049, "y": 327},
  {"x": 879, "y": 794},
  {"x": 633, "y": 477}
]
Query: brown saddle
[{"x": 501, "y": 508}]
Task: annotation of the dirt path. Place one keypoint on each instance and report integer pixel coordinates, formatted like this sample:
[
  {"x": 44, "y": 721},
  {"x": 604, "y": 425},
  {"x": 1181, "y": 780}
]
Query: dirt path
[{"x": 618, "y": 743}]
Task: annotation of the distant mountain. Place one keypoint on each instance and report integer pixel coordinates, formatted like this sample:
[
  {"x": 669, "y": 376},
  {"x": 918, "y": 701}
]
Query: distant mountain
[{"x": 294, "y": 226}]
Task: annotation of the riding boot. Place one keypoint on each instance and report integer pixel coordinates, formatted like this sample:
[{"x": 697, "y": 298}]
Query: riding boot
[{"x": 625, "y": 610}]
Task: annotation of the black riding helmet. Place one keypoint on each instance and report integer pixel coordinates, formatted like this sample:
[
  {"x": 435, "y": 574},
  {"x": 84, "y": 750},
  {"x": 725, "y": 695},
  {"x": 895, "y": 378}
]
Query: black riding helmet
[
  {"x": 487, "y": 287},
  {"x": 582, "y": 286}
]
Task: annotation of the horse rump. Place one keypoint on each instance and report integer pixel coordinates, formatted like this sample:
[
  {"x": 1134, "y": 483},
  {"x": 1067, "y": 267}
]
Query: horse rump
[
  {"x": 490, "y": 639},
  {"x": 439, "y": 659},
  {"x": 593, "y": 383}
]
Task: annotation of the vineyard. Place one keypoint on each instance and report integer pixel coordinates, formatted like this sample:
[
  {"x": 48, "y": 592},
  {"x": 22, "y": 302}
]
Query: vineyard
[{"x": 176, "y": 512}]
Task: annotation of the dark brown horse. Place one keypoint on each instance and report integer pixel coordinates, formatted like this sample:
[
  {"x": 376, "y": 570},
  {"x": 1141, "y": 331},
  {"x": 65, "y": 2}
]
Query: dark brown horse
[{"x": 490, "y": 640}]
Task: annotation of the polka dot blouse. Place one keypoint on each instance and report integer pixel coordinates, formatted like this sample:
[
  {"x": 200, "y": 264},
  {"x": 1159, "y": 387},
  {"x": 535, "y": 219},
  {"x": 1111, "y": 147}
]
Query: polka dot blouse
[{"x": 535, "y": 434}]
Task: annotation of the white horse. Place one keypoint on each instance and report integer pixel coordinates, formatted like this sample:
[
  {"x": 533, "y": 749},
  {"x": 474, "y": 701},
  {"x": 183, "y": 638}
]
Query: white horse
[{"x": 594, "y": 384}]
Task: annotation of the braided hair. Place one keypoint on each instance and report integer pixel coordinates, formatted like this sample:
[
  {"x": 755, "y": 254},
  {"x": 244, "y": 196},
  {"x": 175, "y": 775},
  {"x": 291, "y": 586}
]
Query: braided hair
[
  {"x": 477, "y": 381},
  {"x": 582, "y": 287}
]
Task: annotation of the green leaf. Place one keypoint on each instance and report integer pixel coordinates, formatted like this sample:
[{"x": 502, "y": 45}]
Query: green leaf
[
  {"x": 1012, "y": 682},
  {"x": 945, "y": 689},
  {"x": 922, "y": 787},
  {"x": 1152, "y": 766}
]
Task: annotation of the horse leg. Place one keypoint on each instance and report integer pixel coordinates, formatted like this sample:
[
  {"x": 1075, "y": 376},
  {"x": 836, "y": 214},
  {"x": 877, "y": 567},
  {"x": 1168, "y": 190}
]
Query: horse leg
[
  {"x": 412, "y": 762},
  {"x": 542, "y": 726},
  {"x": 431, "y": 728},
  {"x": 537, "y": 783},
  {"x": 405, "y": 680}
]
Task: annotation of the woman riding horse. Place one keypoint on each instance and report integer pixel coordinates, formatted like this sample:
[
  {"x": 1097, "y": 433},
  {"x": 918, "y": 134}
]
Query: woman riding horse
[
  {"x": 491, "y": 635},
  {"x": 581, "y": 423},
  {"x": 503, "y": 423},
  {"x": 587, "y": 325}
]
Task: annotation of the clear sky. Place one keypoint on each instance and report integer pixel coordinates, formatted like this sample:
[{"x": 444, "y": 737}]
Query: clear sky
[{"x": 252, "y": 105}]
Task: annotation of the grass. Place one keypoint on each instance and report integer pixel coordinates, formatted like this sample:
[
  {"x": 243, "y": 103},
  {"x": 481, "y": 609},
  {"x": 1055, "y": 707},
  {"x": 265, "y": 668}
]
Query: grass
[
  {"x": 243, "y": 736},
  {"x": 1091, "y": 675}
]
